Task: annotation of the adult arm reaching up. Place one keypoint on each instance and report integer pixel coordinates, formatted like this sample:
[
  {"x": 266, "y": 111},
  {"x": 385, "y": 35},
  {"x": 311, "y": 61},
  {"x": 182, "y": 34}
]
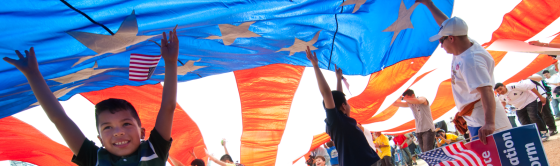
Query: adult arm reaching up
[
  {"x": 323, "y": 86},
  {"x": 438, "y": 14}
]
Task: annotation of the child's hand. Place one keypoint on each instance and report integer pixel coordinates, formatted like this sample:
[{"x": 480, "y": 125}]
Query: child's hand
[
  {"x": 312, "y": 57},
  {"x": 26, "y": 64},
  {"x": 170, "y": 48},
  {"x": 338, "y": 72}
]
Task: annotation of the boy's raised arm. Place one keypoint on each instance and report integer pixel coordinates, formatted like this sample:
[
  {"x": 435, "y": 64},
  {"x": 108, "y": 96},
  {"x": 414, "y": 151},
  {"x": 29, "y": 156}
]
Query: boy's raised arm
[
  {"x": 338, "y": 78},
  {"x": 323, "y": 86},
  {"x": 170, "y": 53},
  {"x": 68, "y": 129}
]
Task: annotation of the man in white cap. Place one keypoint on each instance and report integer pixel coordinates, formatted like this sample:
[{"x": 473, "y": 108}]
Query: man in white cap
[{"x": 472, "y": 77}]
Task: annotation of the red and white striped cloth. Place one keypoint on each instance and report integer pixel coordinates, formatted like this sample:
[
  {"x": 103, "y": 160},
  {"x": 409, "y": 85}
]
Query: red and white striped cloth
[
  {"x": 142, "y": 66},
  {"x": 453, "y": 155}
]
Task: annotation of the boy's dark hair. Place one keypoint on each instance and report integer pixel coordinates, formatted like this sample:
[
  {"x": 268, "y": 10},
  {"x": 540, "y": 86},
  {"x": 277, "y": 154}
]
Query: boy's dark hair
[
  {"x": 338, "y": 98},
  {"x": 330, "y": 144},
  {"x": 197, "y": 162},
  {"x": 320, "y": 157},
  {"x": 499, "y": 84},
  {"x": 408, "y": 92},
  {"x": 545, "y": 71},
  {"x": 226, "y": 157},
  {"x": 114, "y": 105}
]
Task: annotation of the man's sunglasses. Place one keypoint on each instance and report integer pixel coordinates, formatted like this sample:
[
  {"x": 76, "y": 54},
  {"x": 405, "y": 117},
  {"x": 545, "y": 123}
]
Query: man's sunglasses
[{"x": 443, "y": 39}]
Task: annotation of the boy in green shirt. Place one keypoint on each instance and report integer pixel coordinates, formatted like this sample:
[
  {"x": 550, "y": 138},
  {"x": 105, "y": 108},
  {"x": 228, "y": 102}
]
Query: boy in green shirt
[{"x": 118, "y": 124}]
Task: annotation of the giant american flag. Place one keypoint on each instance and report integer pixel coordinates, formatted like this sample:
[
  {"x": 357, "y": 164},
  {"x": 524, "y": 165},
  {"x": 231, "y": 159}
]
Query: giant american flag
[{"x": 242, "y": 75}]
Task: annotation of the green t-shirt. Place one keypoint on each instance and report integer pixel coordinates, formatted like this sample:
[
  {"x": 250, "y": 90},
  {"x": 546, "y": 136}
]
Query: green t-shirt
[{"x": 152, "y": 152}]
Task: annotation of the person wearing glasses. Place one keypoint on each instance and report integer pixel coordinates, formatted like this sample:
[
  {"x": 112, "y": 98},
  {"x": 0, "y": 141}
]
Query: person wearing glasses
[{"x": 472, "y": 77}]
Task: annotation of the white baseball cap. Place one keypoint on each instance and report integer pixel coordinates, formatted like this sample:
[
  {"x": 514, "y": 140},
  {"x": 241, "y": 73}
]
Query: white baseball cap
[{"x": 451, "y": 27}]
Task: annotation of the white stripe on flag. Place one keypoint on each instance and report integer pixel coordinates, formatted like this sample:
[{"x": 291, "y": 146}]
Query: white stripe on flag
[
  {"x": 136, "y": 69},
  {"x": 450, "y": 154},
  {"x": 476, "y": 157},
  {"x": 145, "y": 57}
]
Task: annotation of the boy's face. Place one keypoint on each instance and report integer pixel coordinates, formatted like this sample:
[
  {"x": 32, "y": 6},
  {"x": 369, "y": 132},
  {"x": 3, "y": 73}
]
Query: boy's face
[
  {"x": 319, "y": 162},
  {"x": 119, "y": 132}
]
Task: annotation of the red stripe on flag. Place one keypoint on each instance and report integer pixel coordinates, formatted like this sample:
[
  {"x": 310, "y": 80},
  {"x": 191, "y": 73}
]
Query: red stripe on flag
[
  {"x": 526, "y": 20},
  {"x": 267, "y": 90},
  {"x": 22, "y": 142}
]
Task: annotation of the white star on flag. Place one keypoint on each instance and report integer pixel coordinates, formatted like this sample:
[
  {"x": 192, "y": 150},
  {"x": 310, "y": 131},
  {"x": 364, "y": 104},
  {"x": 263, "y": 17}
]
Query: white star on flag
[
  {"x": 80, "y": 75},
  {"x": 232, "y": 32},
  {"x": 101, "y": 44},
  {"x": 403, "y": 21},
  {"x": 358, "y": 4},
  {"x": 300, "y": 45}
]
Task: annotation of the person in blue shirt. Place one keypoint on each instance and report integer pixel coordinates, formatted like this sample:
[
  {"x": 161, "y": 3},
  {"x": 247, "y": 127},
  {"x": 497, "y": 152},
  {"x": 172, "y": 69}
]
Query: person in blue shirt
[
  {"x": 332, "y": 152},
  {"x": 351, "y": 144}
]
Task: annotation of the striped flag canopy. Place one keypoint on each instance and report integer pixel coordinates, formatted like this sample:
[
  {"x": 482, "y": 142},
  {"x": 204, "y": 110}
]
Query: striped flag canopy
[{"x": 242, "y": 70}]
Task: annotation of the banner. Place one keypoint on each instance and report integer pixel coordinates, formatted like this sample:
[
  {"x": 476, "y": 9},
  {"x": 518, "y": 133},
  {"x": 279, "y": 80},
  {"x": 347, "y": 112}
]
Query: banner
[{"x": 517, "y": 146}]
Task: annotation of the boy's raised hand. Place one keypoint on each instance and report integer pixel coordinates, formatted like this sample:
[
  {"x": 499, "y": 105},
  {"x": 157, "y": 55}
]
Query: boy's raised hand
[
  {"x": 26, "y": 64},
  {"x": 338, "y": 72},
  {"x": 312, "y": 57},
  {"x": 170, "y": 47},
  {"x": 170, "y": 53}
]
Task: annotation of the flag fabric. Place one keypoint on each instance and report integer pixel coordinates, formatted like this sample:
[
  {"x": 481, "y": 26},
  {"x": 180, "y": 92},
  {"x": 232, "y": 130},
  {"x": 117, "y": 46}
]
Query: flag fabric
[
  {"x": 452, "y": 155},
  {"x": 142, "y": 66},
  {"x": 243, "y": 75}
]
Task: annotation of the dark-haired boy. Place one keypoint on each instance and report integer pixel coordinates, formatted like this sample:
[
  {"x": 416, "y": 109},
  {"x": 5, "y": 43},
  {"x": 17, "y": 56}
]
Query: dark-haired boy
[
  {"x": 118, "y": 124},
  {"x": 422, "y": 116},
  {"x": 351, "y": 144}
]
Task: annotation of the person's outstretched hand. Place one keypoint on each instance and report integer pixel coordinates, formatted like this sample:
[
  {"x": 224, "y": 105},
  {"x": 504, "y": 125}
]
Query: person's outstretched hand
[
  {"x": 26, "y": 64},
  {"x": 338, "y": 72},
  {"x": 312, "y": 56},
  {"x": 170, "y": 48}
]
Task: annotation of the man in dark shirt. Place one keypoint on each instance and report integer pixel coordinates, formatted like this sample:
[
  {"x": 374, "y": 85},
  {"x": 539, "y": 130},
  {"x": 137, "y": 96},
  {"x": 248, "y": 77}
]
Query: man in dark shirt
[{"x": 351, "y": 144}]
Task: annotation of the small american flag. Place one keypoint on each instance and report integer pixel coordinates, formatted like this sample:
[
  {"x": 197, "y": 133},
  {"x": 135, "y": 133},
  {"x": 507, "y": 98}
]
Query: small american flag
[
  {"x": 453, "y": 155},
  {"x": 142, "y": 67}
]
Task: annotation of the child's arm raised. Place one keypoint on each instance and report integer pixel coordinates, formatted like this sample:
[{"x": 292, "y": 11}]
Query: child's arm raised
[
  {"x": 68, "y": 129},
  {"x": 338, "y": 72},
  {"x": 323, "y": 86},
  {"x": 170, "y": 53}
]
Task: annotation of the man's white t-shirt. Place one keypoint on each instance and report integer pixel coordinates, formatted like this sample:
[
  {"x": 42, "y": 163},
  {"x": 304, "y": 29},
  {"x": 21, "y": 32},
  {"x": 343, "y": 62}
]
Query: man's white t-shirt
[
  {"x": 553, "y": 79},
  {"x": 519, "y": 94},
  {"x": 469, "y": 70}
]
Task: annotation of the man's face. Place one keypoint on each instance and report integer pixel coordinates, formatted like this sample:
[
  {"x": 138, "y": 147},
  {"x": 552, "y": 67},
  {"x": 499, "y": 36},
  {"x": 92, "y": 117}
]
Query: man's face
[
  {"x": 501, "y": 90},
  {"x": 547, "y": 75},
  {"x": 119, "y": 132},
  {"x": 319, "y": 162},
  {"x": 445, "y": 42},
  {"x": 377, "y": 134}
]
